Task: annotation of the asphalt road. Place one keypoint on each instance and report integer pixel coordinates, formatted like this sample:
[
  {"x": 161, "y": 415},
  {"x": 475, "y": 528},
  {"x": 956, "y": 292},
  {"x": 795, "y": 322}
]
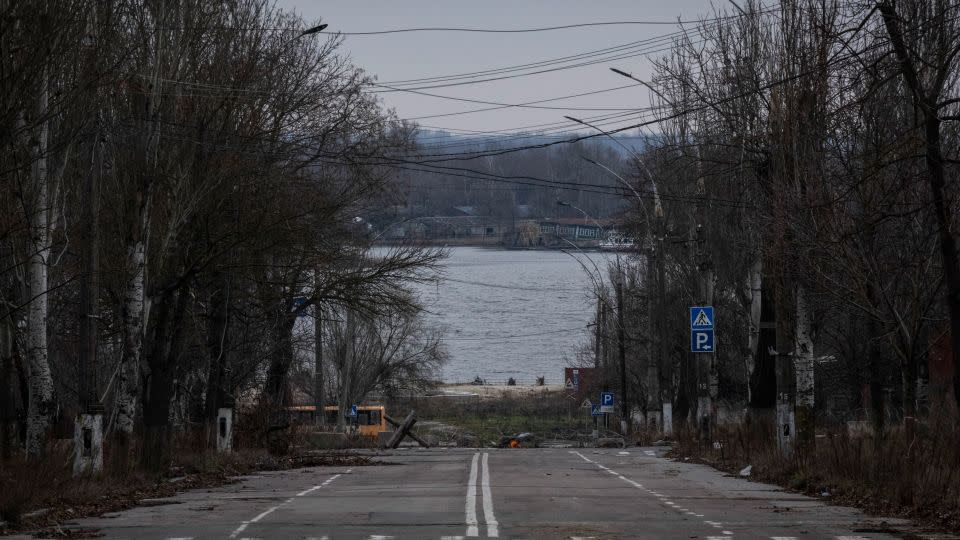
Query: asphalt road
[{"x": 489, "y": 493}]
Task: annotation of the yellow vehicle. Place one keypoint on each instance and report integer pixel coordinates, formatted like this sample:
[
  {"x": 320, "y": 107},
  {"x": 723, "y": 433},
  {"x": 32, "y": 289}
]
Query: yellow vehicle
[{"x": 371, "y": 420}]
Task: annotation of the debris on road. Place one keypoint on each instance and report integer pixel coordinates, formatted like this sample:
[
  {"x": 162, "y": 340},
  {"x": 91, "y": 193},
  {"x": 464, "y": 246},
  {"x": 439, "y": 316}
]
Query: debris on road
[
  {"x": 611, "y": 442},
  {"x": 521, "y": 440}
]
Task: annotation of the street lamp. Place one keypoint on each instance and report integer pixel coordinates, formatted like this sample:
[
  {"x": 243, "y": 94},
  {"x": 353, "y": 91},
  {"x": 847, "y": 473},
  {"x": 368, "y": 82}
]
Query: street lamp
[
  {"x": 656, "y": 192},
  {"x": 314, "y": 30},
  {"x": 585, "y": 215}
]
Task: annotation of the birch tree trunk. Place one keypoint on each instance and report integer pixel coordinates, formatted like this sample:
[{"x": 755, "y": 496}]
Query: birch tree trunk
[
  {"x": 133, "y": 324},
  {"x": 41, "y": 405}
]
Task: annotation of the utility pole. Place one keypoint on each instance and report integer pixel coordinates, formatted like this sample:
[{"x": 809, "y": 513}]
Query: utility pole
[
  {"x": 319, "y": 416},
  {"x": 704, "y": 360},
  {"x": 598, "y": 334},
  {"x": 665, "y": 367},
  {"x": 622, "y": 346},
  {"x": 88, "y": 428},
  {"x": 88, "y": 431}
]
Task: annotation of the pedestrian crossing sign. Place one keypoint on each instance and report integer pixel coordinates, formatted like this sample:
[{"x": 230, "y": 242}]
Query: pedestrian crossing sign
[{"x": 701, "y": 317}]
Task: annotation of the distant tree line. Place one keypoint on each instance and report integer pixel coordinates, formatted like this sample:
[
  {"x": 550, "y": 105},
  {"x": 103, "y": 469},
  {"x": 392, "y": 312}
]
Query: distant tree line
[{"x": 513, "y": 187}]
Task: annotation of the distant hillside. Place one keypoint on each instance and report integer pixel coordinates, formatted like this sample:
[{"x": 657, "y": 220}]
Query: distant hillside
[{"x": 464, "y": 142}]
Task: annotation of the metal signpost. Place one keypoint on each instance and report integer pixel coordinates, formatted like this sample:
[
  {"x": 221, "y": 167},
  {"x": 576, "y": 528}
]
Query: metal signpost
[{"x": 596, "y": 414}]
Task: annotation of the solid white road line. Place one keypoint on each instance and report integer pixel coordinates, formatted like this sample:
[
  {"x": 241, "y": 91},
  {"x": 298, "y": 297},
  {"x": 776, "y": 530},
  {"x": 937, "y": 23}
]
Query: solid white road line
[
  {"x": 492, "y": 525},
  {"x": 471, "y": 505}
]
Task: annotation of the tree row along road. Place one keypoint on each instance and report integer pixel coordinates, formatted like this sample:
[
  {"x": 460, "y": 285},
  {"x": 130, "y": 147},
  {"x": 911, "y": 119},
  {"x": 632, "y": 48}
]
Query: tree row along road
[{"x": 522, "y": 493}]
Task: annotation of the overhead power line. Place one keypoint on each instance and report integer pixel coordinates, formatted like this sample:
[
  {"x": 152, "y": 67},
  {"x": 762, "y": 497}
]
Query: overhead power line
[
  {"x": 528, "y": 105},
  {"x": 515, "y": 30}
]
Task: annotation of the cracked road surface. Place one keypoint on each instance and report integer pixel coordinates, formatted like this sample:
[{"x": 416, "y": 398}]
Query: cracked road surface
[{"x": 491, "y": 493}]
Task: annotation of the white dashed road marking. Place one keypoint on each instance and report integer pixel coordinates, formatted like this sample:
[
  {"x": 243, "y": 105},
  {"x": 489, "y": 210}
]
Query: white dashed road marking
[
  {"x": 661, "y": 497},
  {"x": 243, "y": 526}
]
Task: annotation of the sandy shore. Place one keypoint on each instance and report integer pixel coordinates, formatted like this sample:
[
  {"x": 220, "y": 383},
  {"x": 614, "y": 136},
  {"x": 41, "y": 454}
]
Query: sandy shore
[{"x": 495, "y": 390}]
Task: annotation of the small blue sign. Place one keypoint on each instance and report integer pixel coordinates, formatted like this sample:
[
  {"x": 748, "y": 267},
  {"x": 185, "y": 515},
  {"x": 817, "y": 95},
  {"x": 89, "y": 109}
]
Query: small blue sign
[
  {"x": 701, "y": 341},
  {"x": 595, "y": 411},
  {"x": 353, "y": 411},
  {"x": 606, "y": 402},
  {"x": 701, "y": 317},
  {"x": 576, "y": 379}
]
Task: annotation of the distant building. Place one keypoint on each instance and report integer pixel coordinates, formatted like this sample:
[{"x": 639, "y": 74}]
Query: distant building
[{"x": 557, "y": 231}]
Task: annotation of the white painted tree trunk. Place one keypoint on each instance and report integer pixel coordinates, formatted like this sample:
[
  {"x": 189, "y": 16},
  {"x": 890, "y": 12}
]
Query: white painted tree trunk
[
  {"x": 667, "y": 416},
  {"x": 133, "y": 319},
  {"x": 40, "y": 408},
  {"x": 224, "y": 430},
  {"x": 755, "y": 283}
]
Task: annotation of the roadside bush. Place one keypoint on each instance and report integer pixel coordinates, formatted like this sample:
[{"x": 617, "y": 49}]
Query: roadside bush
[{"x": 914, "y": 471}]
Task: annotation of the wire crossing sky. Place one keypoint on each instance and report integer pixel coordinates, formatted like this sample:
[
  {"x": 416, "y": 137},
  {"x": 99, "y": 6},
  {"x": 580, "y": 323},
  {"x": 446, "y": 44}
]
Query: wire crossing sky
[{"x": 494, "y": 36}]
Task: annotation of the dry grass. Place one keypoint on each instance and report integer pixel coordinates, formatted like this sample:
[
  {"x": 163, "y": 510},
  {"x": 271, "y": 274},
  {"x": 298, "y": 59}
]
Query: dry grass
[
  {"x": 911, "y": 472},
  {"x": 549, "y": 414}
]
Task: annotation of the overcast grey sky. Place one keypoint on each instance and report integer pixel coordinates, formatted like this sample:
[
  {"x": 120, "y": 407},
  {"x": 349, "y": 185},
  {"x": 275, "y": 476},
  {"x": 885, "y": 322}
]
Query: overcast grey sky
[{"x": 393, "y": 57}]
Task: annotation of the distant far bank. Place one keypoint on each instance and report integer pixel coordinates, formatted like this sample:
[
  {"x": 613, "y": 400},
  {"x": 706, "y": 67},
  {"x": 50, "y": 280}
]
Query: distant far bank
[{"x": 485, "y": 243}]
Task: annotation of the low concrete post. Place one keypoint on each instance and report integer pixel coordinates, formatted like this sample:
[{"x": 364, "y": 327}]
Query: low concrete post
[
  {"x": 667, "y": 423},
  {"x": 88, "y": 444},
  {"x": 224, "y": 429}
]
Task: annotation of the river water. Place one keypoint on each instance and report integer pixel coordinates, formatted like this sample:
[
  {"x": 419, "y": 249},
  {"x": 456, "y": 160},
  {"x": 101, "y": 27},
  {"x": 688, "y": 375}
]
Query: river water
[{"x": 512, "y": 313}]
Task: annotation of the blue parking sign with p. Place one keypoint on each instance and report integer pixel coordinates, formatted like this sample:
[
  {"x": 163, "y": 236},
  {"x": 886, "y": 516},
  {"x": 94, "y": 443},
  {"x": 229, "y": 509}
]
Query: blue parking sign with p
[
  {"x": 701, "y": 340},
  {"x": 606, "y": 402}
]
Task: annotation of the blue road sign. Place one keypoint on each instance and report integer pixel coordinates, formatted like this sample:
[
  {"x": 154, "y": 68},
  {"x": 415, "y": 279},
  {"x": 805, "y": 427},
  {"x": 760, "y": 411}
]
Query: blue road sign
[
  {"x": 576, "y": 379},
  {"x": 701, "y": 317},
  {"x": 701, "y": 329},
  {"x": 701, "y": 341},
  {"x": 353, "y": 411},
  {"x": 606, "y": 402},
  {"x": 595, "y": 411}
]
